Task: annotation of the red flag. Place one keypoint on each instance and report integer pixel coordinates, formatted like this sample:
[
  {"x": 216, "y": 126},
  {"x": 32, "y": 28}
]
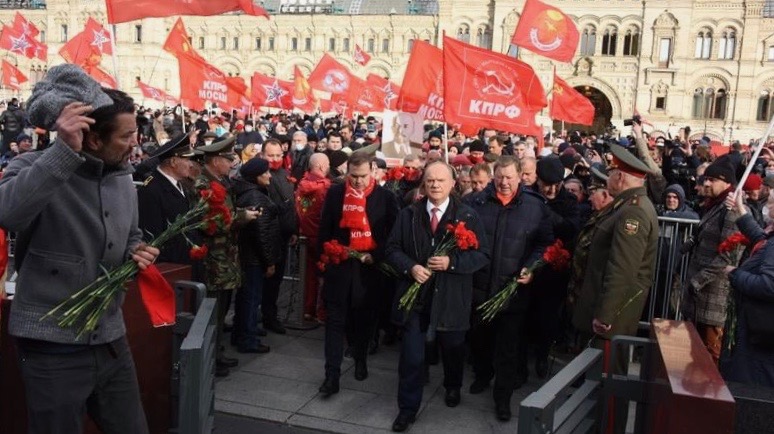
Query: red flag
[
  {"x": 87, "y": 47},
  {"x": 19, "y": 43},
  {"x": 25, "y": 26},
  {"x": 361, "y": 56},
  {"x": 547, "y": 31},
  {"x": 12, "y": 77},
  {"x": 422, "y": 89},
  {"x": 331, "y": 76},
  {"x": 303, "y": 98},
  {"x": 390, "y": 89},
  {"x": 178, "y": 42},
  {"x": 103, "y": 78},
  {"x": 330, "y": 106},
  {"x": 366, "y": 97},
  {"x": 270, "y": 92},
  {"x": 121, "y": 11},
  {"x": 201, "y": 82},
  {"x": 487, "y": 89},
  {"x": 157, "y": 94},
  {"x": 569, "y": 105}
]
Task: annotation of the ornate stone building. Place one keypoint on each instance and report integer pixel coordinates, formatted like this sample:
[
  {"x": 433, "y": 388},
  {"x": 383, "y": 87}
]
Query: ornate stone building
[{"x": 704, "y": 63}]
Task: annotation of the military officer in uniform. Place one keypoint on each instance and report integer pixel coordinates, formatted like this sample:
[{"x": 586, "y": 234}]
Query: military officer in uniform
[
  {"x": 223, "y": 274},
  {"x": 621, "y": 249},
  {"x": 162, "y": 198},
  {"x": 618, "y": 270}
]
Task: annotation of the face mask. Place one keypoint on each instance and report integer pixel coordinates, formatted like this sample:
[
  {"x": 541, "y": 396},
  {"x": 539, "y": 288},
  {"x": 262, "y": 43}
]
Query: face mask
[
  {"x": 205, "y": 118},
  {"x": 299, "y": 146},
  {"x": 248, "y": 128},
  {"x": 275, "y": 165},
  {"x": 769, "y": 172},
  {"x": 476, "y": 160},
  {"x": 207, "y": 142}
]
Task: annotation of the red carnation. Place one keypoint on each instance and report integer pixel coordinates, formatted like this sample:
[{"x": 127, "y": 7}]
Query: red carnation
[
  {"x": 198, "y": 252},
  {"x": 557, "y": 256},
  {"x": 733, "y": 242}
]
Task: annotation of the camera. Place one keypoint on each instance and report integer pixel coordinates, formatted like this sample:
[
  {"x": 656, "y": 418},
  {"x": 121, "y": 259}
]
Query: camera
[{"x": 634, "y": 120}]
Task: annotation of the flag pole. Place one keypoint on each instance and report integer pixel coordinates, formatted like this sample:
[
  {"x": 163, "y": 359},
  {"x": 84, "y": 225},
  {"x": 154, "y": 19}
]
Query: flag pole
[
  {"x": 115, "y": 55},
  {"x": 446, "y": 142},
  {"x": 182, "y": 115},
  {"x": 755, "y": 155}
]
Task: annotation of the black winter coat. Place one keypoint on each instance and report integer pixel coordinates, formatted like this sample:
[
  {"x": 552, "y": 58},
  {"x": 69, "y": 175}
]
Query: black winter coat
[
  {"x": 353, "y": 278},
  {"x": 445, "y": 300},
  {"x": 259, "y": 240},
  {"x": 564, "y": 214},
  {"x": 281, "y": 192},
  {"x": 518, "y": 234},
  {"x": 159, "y": 203}
]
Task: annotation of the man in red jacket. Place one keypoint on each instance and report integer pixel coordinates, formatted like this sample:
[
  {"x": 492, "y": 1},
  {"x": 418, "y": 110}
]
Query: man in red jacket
[{"x": 310, "y": 196}]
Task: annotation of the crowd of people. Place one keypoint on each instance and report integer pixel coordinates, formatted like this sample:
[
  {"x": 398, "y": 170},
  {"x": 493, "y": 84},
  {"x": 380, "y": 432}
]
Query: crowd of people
[{"x": 314, "y": 179}]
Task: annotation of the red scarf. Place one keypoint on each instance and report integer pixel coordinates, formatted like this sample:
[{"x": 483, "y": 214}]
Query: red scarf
[{"x": 353, "y": 216}]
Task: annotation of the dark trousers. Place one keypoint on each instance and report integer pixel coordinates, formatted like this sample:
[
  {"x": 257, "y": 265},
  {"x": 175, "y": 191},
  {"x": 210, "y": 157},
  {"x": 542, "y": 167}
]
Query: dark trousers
[
  {"x": 247, "y": 308},
  {"x": 223, "y": 297},
  {"x": 412, "y": 362},
  {"x": 482, "y": 345},
  {"x": 61, "y": 387},
  {"x": 356, "y": 324},
  {"x": 272, "y": 286},
  {"x": 510, "y": 359}
]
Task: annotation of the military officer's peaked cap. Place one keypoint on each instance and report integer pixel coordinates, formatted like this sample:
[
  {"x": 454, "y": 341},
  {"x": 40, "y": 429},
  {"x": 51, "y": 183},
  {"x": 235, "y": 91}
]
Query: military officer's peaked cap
[
  {"x": 224, "y": 147},
  {"x": 627, "y": 162},
  {"x": 179, "y": 146}
]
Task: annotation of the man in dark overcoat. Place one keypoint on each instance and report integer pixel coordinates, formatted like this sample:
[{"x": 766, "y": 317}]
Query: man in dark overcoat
[{"x": 358, "y": 214}]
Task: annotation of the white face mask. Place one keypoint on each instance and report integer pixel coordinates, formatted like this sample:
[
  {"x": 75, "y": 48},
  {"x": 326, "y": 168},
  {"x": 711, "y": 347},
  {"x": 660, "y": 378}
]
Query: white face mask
[
  {"x": 207, "y": 142},
  {"x": 248, "y": 128},
  {"x": 769, "y": 172},
  {"x": 299, "y": 146},
  {"x": 205, "y": 118}
]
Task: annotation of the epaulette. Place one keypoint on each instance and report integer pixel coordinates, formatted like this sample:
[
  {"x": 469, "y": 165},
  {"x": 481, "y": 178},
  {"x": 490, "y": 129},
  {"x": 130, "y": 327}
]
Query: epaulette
[
  {"x": 635, "y": 200},
  {"x": 147, "y": 181}
]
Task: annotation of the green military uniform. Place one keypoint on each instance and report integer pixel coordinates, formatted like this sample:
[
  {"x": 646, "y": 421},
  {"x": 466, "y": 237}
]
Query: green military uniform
[{"x": 620, "y": 246}]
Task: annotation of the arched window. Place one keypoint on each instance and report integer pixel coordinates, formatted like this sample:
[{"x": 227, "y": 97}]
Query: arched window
[
  {"x": 463, "y": 33},
  {"x": 609, "y": 41},
  {"x": 764, "y": 111},
  {"x": 484, "y": 37},
  {"x": 703, "y": 45},
  {"x": 632, "y": 42},
  {"x": 709, "y": 104},
  {"x": 588, "y": 41},
  {"x": 410, "y": 44},
  {"x": 727, "y": 44}
]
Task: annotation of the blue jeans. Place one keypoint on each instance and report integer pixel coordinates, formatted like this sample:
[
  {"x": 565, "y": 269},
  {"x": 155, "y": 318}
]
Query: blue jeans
[{"x": 247, "y": 315}]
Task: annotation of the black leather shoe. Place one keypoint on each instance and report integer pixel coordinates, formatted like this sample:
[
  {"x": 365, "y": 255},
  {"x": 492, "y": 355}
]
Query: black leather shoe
[
  {"x": 262, "y": 332},
  {"x": 373, "y": 347},
  {"x": 403, "y": 421},
  {"x": 259, "y": 349},
  {"x": 478, "y": 386},
  {"x": 228, "y": 362},
  {"x": 541, "y": 368},
  {"x": 329, "y": 387},
  {"x": 275, "y": 327},
  {"x": 361, "y": 370},
  {"x": 452, "y": 397},
  {"x": 221, "y": 371},
  {"x": 503, "y": 412}
]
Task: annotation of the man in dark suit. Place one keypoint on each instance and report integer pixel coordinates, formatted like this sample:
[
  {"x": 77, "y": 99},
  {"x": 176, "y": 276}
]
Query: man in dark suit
[
  {"x": 442, "y": 310},
  {"x": 359, "y": 214},
  {"x": 162, "y": 198}
]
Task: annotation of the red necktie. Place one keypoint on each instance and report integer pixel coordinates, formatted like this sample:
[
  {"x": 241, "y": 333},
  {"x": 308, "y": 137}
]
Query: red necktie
[{"x": 434, "y": 219}]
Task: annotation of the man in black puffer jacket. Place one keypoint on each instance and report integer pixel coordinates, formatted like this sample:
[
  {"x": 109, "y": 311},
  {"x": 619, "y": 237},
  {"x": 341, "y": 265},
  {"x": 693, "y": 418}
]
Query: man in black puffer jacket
[
  {"x": 518, "y": 227},
  {"x": 12, "y": 121},
  {"x": 259, "y": 252}
]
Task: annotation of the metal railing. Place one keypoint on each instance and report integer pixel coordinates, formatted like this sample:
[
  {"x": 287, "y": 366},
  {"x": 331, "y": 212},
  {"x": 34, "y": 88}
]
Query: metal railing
[
  {"x": 193, "y": 376},
  {"x": 558, "y": 406},
  {"x": 671, "y": 269},
  {"x": 22, "y": 4}
]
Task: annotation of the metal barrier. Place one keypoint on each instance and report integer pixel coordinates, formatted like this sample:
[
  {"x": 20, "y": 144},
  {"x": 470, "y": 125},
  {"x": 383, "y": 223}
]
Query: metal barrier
[
  {"x": 671, "y": 268},
  {"x": 193, "y": 376},
  {"x": 293, "y": 285},
  {"x": 560, "y": 407}
]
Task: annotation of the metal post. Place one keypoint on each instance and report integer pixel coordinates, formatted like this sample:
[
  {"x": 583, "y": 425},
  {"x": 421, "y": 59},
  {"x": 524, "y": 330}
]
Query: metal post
[{"x": 294, "y": 282}]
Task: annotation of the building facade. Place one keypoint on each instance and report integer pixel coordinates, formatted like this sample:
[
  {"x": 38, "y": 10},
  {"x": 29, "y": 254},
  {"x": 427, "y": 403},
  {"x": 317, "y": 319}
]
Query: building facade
[{"x": 704, "y": 63}]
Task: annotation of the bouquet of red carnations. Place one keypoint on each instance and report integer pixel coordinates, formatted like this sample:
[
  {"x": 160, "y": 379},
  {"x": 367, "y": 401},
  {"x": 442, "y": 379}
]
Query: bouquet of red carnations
[
  {"x": 85, "y": 308},
  {"x": 457, "y": 236},
  {"x": 555, "y": 255},
  {"x": 732, "y": 248}
]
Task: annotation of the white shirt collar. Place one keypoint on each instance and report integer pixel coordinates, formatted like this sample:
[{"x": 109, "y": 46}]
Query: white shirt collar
[
  {"x": 442, "y": 208},
  {"x": 175, "y": 182}
]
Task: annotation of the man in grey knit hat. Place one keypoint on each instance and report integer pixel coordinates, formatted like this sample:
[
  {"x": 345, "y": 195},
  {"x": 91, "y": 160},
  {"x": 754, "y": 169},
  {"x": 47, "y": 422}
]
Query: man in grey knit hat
[{"x": 74, "y": 208}]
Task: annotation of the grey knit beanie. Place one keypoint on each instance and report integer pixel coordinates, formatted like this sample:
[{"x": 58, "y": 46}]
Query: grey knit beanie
[{"x": 62, "y": 85}]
